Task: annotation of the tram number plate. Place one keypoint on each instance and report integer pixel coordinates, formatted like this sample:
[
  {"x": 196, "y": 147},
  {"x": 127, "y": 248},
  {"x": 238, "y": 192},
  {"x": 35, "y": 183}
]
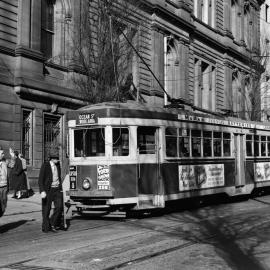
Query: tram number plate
[{"x": 100, "y": 187}]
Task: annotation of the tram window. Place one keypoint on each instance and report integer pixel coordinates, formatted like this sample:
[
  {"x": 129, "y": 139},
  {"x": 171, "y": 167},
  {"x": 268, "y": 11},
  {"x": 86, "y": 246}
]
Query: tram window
[
  {"x": 78, "y": 143},
  {"x": 120, "y": 141},
  {"x": 89, "y": 142},
  {"x": 263, "y": 146},
  {"x": 217, "y": 144},
  {"x": 249, "y": 140},
  {"x": 196, "y": 143},
  {"x": 184, "y": 143},
  {"x": 256, "y": 145},
  {"x": 226, "y": 144},
  {"x": 146, "y": 140},
  {"x": 207, "y": 143},
  {"x": 268, "y": 145},
  {"x": 171, "y": 142}
]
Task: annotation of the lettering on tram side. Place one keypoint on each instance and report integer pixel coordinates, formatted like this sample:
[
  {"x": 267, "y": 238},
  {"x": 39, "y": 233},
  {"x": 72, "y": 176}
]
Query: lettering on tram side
[
  {"x": 86, "y": 119},
  {"x": 103, "y": 177},
  {"x": 262, "y": 171},
  {"x": 200, "y": 119},
  {"x": 200, "y": 176}
]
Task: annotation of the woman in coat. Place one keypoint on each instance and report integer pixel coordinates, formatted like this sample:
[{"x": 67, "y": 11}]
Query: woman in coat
[{"x": 18, "y": 176}]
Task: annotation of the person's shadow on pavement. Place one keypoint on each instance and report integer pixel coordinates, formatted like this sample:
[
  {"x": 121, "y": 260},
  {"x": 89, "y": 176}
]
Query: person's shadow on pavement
[{"x": 11, "y": 226}]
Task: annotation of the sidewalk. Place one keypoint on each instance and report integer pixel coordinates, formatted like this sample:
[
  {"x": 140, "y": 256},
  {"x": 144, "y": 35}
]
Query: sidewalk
[{"x": 21, "y": 206}]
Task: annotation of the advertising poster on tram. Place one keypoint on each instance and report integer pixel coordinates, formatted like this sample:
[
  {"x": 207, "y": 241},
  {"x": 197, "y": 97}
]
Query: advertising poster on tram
[
  {"x": 200, "y": 176},
  {"x": 103, "y": 177},
  {"x": 262, "y": 171}
]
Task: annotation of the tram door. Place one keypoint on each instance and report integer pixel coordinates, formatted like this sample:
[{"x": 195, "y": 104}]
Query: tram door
[
  {"x": 239, "y": 159},
  {"x": 148, "y": 167}
]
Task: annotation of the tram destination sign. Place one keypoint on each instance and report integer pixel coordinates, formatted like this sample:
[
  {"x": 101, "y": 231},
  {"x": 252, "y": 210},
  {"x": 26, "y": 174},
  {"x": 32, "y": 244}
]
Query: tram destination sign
[{"x": 86, "y": 119}]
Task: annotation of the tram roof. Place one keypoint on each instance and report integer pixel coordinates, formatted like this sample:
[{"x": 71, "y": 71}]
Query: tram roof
[{"x": 133, "y": 109}]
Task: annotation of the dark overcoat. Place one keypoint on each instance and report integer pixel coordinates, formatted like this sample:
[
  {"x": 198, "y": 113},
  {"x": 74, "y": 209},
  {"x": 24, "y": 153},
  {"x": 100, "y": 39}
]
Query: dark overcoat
[
  {"x": 18, "y": 176},
  {"x": 45, "y": 177}
]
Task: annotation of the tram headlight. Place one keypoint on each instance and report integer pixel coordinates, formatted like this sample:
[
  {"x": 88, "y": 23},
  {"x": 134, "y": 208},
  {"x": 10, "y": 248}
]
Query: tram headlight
[{"x": 86, "y": 184}]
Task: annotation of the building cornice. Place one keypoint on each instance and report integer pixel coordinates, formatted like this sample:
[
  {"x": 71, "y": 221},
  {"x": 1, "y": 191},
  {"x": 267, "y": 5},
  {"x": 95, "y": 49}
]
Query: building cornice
[
  {"x": 35, "y": 90},
  {"x": 29, "y": 53},
  {"x": 7, "y": 51}
]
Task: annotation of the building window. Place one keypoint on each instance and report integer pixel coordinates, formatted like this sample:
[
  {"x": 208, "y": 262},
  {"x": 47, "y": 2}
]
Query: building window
[
  {"x": 126, "y": 59},
  {"x": 27, "y": 135},
  {"x": 204, "y": 82},
  {"x": 51, "y": 135},
  {"x": 53, "y": 30},
  {"x": 247, "y": 24},
  {"x": 237, "y": 96},
  {"x": 234, "y": 6},
  {"x": 47, "y": 27},
  {"x": 204, "y": 10}
]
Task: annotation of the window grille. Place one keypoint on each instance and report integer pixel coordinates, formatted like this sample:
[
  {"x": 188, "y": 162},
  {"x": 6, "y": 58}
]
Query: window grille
[{"x": 51, "y": 135}]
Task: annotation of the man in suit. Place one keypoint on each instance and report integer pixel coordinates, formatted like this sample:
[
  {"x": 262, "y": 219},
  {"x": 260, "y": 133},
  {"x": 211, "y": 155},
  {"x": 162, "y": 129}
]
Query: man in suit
[{"x": 50, "y": 188}]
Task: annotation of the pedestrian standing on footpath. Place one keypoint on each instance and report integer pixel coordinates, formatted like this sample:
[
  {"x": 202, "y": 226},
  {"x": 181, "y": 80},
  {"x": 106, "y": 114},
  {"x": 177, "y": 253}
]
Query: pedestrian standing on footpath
[
  {"x": 18, "y": 176},
  {"x": 50, "y": 188},
  {"x": 10, "y": 165},
  {"x": 29, "y": 191},
  {"x": 3, "y": 183}
]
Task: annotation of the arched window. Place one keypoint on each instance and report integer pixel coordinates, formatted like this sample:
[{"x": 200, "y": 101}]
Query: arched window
[{"x": 172, "y": 78}]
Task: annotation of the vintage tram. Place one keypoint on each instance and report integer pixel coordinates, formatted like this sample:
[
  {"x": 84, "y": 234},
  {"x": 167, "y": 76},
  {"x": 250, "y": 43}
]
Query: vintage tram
[{"x": 132, "y": 156}]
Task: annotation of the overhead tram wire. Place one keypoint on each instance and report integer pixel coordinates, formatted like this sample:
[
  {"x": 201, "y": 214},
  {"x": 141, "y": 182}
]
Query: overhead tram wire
[{"x": 172, "y": 100}]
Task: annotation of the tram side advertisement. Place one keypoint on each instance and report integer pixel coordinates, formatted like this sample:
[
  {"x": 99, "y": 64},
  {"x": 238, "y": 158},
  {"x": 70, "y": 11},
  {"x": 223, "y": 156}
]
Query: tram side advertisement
[
  {"x": 103, "y": 177},
  {"x": 262, "y": 171},
  {"x": 200, "y": 176}
]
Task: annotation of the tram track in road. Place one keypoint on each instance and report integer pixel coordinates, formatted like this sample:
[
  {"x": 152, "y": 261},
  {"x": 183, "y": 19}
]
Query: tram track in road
[
  {"x": 127, "y": 221},
  {"x": 156, "y": 230},
  {"x": 182, "y": 246}
]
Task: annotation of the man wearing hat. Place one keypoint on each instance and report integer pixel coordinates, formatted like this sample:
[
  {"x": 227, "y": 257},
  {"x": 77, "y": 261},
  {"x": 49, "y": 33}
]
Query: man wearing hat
[
  {"x": 50, "y": 188},
  {"x": 3, "y": 183}
]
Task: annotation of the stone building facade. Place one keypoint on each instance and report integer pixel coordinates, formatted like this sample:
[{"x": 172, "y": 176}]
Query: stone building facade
[
  {"x": 265, "y": 52},
  {"x": 199, "y": 50}
]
